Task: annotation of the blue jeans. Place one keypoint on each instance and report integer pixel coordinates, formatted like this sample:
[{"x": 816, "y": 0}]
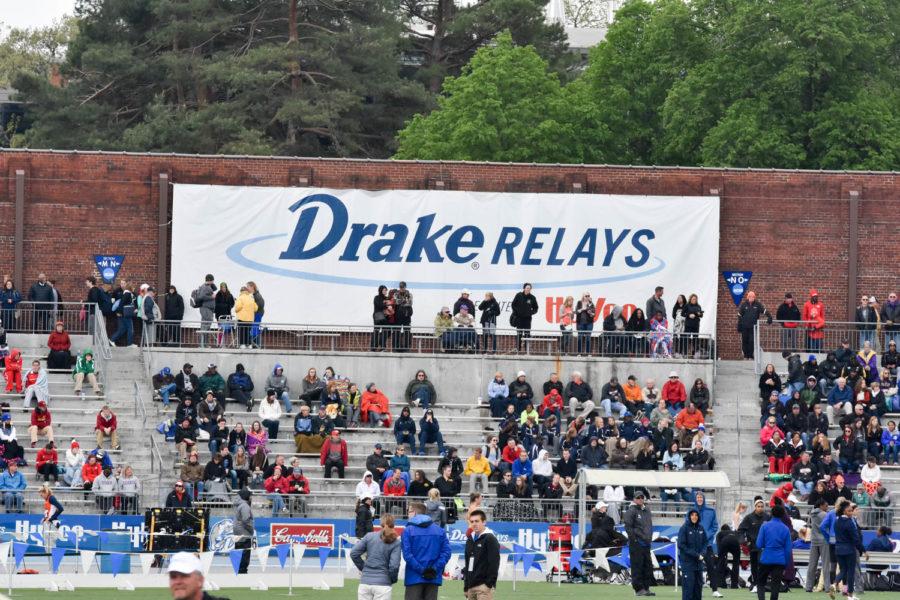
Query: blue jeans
[
  {"x": 277, "y": 503},
  {"x": 584, "y": 338},
  {"x": 804, "y": 488},
  {"x": 189, "y": 489},
  {"x": 608, "y": 405},
  {"x": 126, "y": 328},
  {"x": 424, "y": 439},
  {"x": 849, "y": 466},
  {"x": 286, "y": 401},
  {"x": 12, "y": 501},
  {"x": 215, "y": 444},
  {"x": 164, "y": 393},
  {"x": 423, "y": 397},
  {"x": 867, "y": 336},
  {"x": 813, "y": 344},
  {"x": 406, "y": 438},
  {"x": 892, "y": 454}
]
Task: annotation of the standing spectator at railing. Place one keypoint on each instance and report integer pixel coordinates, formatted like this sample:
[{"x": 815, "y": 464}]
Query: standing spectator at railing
[
  {"x": 890, "y": 319},
  {"x": 490, "y": 310},
  {"x": 867, "y": 359},
  {"x": 655, "y": 303},
  {"x": 613, "y": 338},
  {"x": 60, "y": 345},
  {"x": 814, "y": 321},
  {"x": 244, "y": 310},
  {"x": 173, "y": 313},
  {"x": 566, "y": 318},
  {"x": 788, "y": 314},
  {"x": 94, "y": 299},
  {"x": 464, "y": 336},
  {"x": 674, "y": 394},
  {"x": 585, "y": 315},
  {"x": 866, "y": 320},
  {"x": 223, "y": 302},
  {"x": 278, "y": 381},
  {"x": 678, "y": 324},
  {"x": 256, "y": 331},
  {"x": 204, "y": 299},
  {"x": 464, "y": 300},
  {"x": 750, "y": 312},
  {"x": 420, "y": 391},
  {"x": 637, "y": 326},
  {"x": 9, "y": 301},
  {"x": 334, "y": 454},
  {"x": 150, "y": 314},
  {"x": 693, "y": 313},
  {"x": 42, "y": 296},
  {"x": 405, "y": 429},
  {"x": 381, "y": 309},
  {"x": 41, "y": 423},
  {"x": 269, "y": 414}
]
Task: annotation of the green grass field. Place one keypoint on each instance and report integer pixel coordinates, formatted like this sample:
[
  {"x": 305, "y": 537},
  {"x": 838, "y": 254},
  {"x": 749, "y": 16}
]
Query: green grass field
[{"x": 449, "y": 591}]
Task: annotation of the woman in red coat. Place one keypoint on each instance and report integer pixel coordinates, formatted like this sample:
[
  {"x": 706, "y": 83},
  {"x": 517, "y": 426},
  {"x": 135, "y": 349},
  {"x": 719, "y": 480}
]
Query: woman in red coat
[
  {"x": 47, "y": 460},
  {"x": 60, "y": 345},
  {"x": 814, "y": 319},
  {"x": 375, "y": 407}
]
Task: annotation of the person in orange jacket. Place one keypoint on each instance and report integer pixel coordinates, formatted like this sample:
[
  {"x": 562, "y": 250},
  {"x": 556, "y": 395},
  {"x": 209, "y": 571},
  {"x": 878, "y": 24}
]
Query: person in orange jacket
[
  {"x": 687, "y": 422},
  {"x": 375, "y": 407},
  {"x": 13, "y": 364},
  {"x": 814, "y": 319}
]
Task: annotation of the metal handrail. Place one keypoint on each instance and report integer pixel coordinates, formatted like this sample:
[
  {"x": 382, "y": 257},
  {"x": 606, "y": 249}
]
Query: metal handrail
[
  {"x": 156, "y": 459},
  {"x": 140, "y": 410}
]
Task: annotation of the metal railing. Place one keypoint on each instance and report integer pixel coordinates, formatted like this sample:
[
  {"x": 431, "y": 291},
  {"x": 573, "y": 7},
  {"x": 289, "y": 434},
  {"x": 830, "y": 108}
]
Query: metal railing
[
  {"x": 30, "y": 317},
  {"x": 426, "y": 340},
  {"x": 775, "y": 338},
  {"x": 156, "y": 461},
  {"x": 140, "y": 410},
  {"x": 77, "y": 500}
]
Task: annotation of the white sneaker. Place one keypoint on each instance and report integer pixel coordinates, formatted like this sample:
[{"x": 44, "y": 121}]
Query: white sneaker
[
  {"x": 753, "y": 590},
  {"x": 718, "y": 594},
  {"x": 112, "y": 344}
]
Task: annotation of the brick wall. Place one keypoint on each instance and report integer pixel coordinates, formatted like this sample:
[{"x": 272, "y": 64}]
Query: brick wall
[{"x": 789, "y": 227}]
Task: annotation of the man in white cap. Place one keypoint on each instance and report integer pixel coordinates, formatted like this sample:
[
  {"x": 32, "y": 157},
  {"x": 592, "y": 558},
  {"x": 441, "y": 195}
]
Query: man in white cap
[{"x": 186, "y": 577}]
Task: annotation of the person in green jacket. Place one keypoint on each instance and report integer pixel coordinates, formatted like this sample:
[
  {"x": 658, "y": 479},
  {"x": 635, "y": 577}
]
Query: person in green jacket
[
  {"x": 85, "y": 369},
  {"x": 211, "y": 381}
]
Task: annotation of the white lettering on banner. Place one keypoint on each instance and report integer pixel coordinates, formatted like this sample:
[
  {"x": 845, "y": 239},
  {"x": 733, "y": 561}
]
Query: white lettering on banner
[
  {"x": 318, "y": 255},
  {"x": 312, "y": 534}
]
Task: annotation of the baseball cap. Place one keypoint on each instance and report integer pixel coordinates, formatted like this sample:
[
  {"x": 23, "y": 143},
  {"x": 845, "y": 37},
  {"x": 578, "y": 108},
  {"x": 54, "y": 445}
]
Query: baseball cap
[
  {"x": 600, "y": 505},
  {"x": 179, "y": 483},
  {"x": 639, "y": 494},
  {"x": 520, "y": 374},
  {"x": 701, "y": 427},
  {"x": 188, "y": 366},
  {"x": 378, "y": 446},
  {"x": 185, "y": 563},
  {"x": 812, "y": 357},
  {"x": 673, "y": 374},
  {"x": 465, "y": 291},
  {"x": 211, "y": 366}
]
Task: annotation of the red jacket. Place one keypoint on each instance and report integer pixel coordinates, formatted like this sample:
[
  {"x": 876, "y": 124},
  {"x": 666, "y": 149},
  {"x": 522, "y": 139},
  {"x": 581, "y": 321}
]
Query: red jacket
[
  {"x": 295, "y": 481},
  {"x": 391, "y": 488},
  {"x": 782, "y": 492},
  {"x": 510, "y": 454},
  {"x": 30, "y": 378},
  {"x": 45, "y": 456},
  {"x": 326, "y": 448},
  {"x": 40, "y": 419},
  {"x": 673, "y": 391},
  {"x": 103, "y": 423},
  {"x": 59, "y": 342},
  {"x": 279, "y": 486},
  {"x": 552, "y": 401},
  {"x": 91, "y": 472},
  {"x": 814, "y": 318}
]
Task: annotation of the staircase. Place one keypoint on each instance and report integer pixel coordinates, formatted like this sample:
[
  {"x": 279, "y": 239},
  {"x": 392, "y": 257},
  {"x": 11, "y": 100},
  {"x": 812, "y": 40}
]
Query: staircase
[{"x": 736, "y": 445}]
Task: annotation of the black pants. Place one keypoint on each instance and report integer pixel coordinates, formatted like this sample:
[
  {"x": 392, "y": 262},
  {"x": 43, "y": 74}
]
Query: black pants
[
  {"x": 243, "y": 544},
  {"x": 709, "y": 557},
  {"x": 771, "y": 573},
  {"x": 334, "y": 464},
  {"x": 754, "y": 566},
  {"x": 48, "y": 470},
  {"x": 523, "y": 329},
  {"x": 641, "y": 567},
  {"x": 747, "y": 343},
  {"x": 729, "y": 554},
  {"x": 692, "y": 585}
]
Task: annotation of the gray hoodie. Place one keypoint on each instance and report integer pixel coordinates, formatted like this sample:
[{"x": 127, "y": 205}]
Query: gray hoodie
[
  {"x": 277, "y": 382},
  {"x": 243, "y": 517},
  {"x": 816, "y": 516},
  {"x": 382, "y": 564},
  {"x": 130, "y": 486}
]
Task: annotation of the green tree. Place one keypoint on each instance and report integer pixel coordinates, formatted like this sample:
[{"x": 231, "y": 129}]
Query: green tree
[
  {"x": 34, "y": 51},
  {"x": 443, "y": 35},
  {"x": 505, "y": 106}
]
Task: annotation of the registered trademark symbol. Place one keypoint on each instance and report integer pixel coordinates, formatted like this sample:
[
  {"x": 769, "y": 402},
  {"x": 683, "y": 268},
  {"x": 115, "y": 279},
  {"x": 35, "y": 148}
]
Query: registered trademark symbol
[{"x": 475, "y": 265}]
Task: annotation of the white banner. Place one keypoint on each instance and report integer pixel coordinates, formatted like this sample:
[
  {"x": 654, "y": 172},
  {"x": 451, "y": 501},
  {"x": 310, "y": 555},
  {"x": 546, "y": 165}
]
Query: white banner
[{"x": 319, "y": 255}]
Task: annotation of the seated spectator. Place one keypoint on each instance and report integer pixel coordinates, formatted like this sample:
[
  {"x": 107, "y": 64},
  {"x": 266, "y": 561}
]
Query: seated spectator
[
  {"x": 498, "y": 395},
  {"x": 105, "y": 487},
  {"x": 651, "y": 392},
  {"x": 218, "y": 439},
  {"x": 662, "y": 437},
  {"x": 686, "y": 424},
  {"x": 211, "y": 381},
  {"x": 192, "y": 475},
  {"x": 239, "y": 387},
  {"x": 12, "y": 451},
  {"x": 593, "y": 456},
  {"x": 528, "y": 413},
  {"x": 796, "y": 422},
  {"x": 870, "y": 475},
  {"x": 765, "y": 434},
  {"x": 421, "y": 392},
  {"x": 430, "y": 433},
  {"x": 405, "y": 429},
  {"x": 208, "y": 412},
  {"x": 303, "y": 431},
  {"x": 890, "y": 443},
  {"x": 478, "y": 469},
  {"x": 278, "y": 382},
  {"x": 420, "y": 486},
  {"x": 840, "y": 399},
  {"x": 837, "y": 488},
  {"x": 375, "y": 407},
  {"x": 448, "y": 487},
  {"x": 164, "y": 385},
  {"x": 187, "y": 384},
  {"x": 85, "y": 369},
  {"x": 400, "y": 462},
  {"x": 867, "y": 360},
  {"x": 237, "y": 438},
  {"x": 298, "y": 485},
  {"x": 130, "y": 491},
  {"x": 521, "y": 488},
  {"x": 89, "y": 472},
  {"x": 773, "y": 408},
  {"x": 530, "y": 437},
  {"x": 566, "y": 465},
  {"x": 186, "y": 436},
  {"x": 881, "y": 501},
  {"x": 377, "y": 463},
  {"x": 276, "y": 486},
  {"x": 850, "y": 451},
  {"x": 74, "y": 461},
  {"x": 552, "y": 405},
  {"x": 492, "y": 452},
  {"x": 509, "y": 425},
  {"x": 214, "y": 469},
  {"x": 509, "y": 454},
  {"x": 811, "y": 394},
  {"x": 41, "y": 423},
  {"x": 269, "y": 414},
  {"x": 47, "y": 462},
  {"x": 882, "y": 541},
  {"x": 541, "y": 471},
  {"x": 106, "y": 426},
  {"x": 873, "y": 433},
  {"x": 795, "y": 448},
  {"x": 522, "y": 466},
  {"x": 672, "y": 459},
  {"x": 37, "y": 385},
  {"x": 520, "y": 392},
  {"x": 334, "y": 454},
  {"x": 186, "y": 410},
  {"x": 659, "y": 412},
  {"x": 579, "y": 395},
  {"x": 178, "y": 498},
  {"x": 674, "y": 394},
  {"x": 60, "y": 356},
  {"x": 769, "y": 382},
  {"x": 312, "y": 388},
  {"x": 699, "y": 396},
  {"x": 776, "y": 451},
  {"x": 505, "y": 485},
  {"x": 394, "y": 486},
  {"x": 702, "y": 437},
  {"x": 698, "y": 459},
  {"x": 621, "y": 456},
  {"x": 634, "y": 396},
  {"x": 613, "y": 400},
  {"x": 630, "y": 430}
]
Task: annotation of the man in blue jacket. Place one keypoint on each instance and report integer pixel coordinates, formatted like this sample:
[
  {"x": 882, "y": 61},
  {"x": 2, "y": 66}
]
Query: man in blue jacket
[
  {"x": 692, "y": 544},
  {"x": 774, "y": 542},
  {"x": 426, "y": 551},
  {"x": 710, "y": 525},
  {"x": 12, "y": 484}
]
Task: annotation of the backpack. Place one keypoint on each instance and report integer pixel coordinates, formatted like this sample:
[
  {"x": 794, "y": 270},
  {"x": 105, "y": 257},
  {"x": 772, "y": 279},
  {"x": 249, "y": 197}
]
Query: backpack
[{"x": 195, "y": 298}]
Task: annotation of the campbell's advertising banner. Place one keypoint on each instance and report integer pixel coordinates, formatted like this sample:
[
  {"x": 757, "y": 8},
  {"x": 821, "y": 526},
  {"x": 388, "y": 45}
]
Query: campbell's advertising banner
[{"x": 319, "y": 255}]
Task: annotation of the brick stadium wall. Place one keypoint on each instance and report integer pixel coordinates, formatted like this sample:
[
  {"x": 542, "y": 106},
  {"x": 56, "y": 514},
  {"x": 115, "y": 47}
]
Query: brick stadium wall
[{"x": 791, "y": 228}]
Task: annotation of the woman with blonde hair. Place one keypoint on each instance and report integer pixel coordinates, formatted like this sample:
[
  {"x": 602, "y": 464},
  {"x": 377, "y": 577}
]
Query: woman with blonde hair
[
  {"x": 381, "y": 567},
  {"x": 258, "y": 315},
  {"x": 566, "y": 324}
]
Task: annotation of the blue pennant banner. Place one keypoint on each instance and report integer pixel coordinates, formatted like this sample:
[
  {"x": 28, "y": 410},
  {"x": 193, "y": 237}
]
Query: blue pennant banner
[
  {"x": 57, "y": 556},
  {"x": 737, "y": 282},
  {"x": 108, "y": 265}
]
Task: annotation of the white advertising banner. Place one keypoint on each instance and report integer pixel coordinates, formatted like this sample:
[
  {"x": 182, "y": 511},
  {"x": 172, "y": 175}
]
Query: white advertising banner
[{"x": 319, "y": 255}]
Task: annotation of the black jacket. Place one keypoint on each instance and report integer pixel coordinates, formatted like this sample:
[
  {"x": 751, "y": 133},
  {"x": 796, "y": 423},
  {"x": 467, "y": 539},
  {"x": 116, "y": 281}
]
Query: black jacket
[
  {"x": 490, "y": 310},
  {"x": 523, "y": 307},
  {"x": 866, "y": 319},
  {"x": 174, "y": 307},
  {"x": 788, "y": 312},
  {"x": 749, "y": 527},
  {"x": 482, "y": 561},
  {"x": 172, "y": 500},
  {"x": 448, "y": 489},
  {"x": 749, "y": 314},
  {"x": 363, "y": 520}
]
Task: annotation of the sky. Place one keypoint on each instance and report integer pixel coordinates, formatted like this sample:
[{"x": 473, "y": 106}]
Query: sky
[{"x": 33, "y": 13}]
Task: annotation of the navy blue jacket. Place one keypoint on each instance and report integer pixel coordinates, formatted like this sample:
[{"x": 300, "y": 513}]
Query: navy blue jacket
[
  {"x": 404, "y": 426},
  {"x": 848, "y": 539},
  {"x": 708, "y": 521},
  {"x": 424, "y": 545},
  {"x": 692, "y": 543}
]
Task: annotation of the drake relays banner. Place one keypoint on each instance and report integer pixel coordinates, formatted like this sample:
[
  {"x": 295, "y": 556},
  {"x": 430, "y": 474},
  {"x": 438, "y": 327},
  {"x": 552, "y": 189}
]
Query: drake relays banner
[{"x": 318, "y": 255}]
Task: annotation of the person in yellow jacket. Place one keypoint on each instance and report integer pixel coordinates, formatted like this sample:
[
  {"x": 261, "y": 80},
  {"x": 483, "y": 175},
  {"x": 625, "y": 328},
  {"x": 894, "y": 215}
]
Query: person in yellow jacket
[
  {"x": 478, "y": 469},
  {"x": 244, "y": 308}
]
